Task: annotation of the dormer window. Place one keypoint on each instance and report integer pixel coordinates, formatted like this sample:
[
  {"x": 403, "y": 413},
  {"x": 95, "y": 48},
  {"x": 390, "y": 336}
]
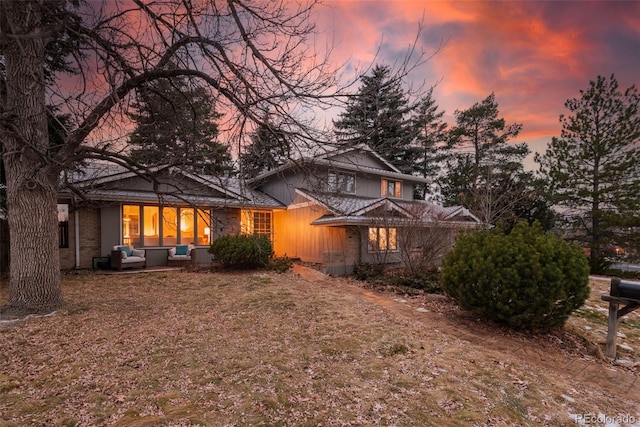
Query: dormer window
[
  {"x": 341, "y": 182},
  {"x": 391, "y": 188}
]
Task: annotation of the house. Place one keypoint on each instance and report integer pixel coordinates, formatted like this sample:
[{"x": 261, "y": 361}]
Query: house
[
  {"x": 350, "y": 206},
  {"x": 336, "y": 209},
  {"x": 107, "y": 205}
]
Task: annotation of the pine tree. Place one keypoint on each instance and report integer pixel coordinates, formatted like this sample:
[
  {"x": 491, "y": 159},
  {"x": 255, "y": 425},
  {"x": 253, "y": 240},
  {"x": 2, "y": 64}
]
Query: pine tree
[
  {"x": 269, "y": 149},
  {"x": 424, "y": 154},
  {"x": 175, "y": 125},
  {"x": 485, "y": 173},
  {"x": 594, "y": 166},
  {"x": 378, "y": 117}
]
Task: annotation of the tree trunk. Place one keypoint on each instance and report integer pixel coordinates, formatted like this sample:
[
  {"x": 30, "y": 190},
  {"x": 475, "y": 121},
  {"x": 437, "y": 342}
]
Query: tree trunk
[
  {"x": 31, "y": 180},
  {"x": 596, "y": 237}
]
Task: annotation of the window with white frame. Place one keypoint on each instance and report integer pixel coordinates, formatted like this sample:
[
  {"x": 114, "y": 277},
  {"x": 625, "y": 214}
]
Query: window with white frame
[
  {"x": 341, "y": 181},
  {"x": 383, "y": 239},
  {"x": 391, "y": 188}
]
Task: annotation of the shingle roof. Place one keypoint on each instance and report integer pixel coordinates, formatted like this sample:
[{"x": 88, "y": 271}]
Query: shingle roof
[
  {"x": 352, "y": 209},
  {"x": 328, "y": 158},
  {"x": 235, "y": 192}
]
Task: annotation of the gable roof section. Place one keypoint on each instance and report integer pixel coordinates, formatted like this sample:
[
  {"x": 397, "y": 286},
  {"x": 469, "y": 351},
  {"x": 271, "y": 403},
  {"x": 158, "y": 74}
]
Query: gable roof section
[
  {"x": 350, "y": 210},
  {"x": 460, "y": 213},
  {"x": 343, "y": 158},
  {"x": 96, "y": 173},
  {"x": 350, "y": 205},
  {"x": 341, "y": 155},
  {"x": 225, "y": 191}
]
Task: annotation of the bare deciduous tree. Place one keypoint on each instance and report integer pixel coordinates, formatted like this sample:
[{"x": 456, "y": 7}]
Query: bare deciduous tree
[
  {"x": 87, "y": 58},
  {"x": 425, "y": 238},
  {"x": 416, "y": 237}
]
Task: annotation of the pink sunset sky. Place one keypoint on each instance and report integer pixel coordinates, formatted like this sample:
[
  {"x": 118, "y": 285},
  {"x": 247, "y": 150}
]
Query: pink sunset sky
[{"x": 533, "y": 55}]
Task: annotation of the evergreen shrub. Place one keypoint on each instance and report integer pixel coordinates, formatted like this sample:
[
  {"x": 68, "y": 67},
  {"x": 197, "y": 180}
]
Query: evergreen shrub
[
  {"x": 280, "y": 264},
  {"x": 242, "y": 251},
  {"x": 424, "y": 280},
  {"x": 528, "y": 279},
  {"x": 368, "y": 272}
]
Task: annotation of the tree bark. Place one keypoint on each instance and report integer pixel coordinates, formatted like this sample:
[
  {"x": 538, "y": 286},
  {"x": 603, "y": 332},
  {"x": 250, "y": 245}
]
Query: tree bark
[{"x": 31, "y": 180}]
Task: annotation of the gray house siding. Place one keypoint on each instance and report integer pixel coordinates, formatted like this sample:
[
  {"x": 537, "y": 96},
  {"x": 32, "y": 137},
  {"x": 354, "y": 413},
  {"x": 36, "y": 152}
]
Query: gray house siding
[
  {"x": 366, "y": 185},
  {"x": 171, "y": 185},
  {"x": 111, "y": 230},
  {"x": 283, "y": 187},
  {"x": 358, "y": 158}
]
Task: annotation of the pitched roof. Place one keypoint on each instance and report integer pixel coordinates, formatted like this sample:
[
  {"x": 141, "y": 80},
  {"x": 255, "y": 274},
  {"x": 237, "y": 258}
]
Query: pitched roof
[
  {"x": 227, "y": 191},
  {"x": 352, "y": 210},
  {"x": 335, "y": 159}
]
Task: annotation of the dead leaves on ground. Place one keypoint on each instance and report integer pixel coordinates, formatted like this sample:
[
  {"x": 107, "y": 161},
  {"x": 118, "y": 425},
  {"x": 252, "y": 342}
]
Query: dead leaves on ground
[{"x": 266, "y": 349}]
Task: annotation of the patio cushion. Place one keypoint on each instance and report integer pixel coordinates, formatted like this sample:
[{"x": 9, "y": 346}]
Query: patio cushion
[
  {"x": 126, "y": 249},
  {"x": 138, "y": 252},
  {"x": 182, "y": 249}
]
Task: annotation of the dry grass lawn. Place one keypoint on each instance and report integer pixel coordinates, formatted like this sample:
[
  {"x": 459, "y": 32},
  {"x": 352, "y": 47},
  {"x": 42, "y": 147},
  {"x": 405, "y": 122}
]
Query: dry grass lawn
[{"x": 217, "y": 349}]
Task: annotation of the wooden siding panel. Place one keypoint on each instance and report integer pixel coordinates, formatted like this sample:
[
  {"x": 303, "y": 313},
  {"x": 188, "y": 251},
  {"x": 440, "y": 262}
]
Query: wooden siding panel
[{"x": 296, "y": 238}]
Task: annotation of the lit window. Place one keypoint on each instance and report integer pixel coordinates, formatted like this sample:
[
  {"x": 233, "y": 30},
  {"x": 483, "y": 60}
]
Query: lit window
[
  {"x": 151, "y": 218},
  {"x": 187, "y": 226},
  {"x": 203, "y": 227},
  {"x": 131, "y": 225},
  {"x": 257, "y": 223},
  {"x": 167, "y": 226},
  {"x": 383, "y": 239},
  {"x": 391, "y": 188},
  {"x": 344, "y": 182}
]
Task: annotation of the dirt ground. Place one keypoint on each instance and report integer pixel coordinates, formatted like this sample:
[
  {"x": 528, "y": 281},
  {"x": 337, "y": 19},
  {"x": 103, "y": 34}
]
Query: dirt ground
[
  {"x": 581, "y": 345},
  {"x": 302, "y": 348}
]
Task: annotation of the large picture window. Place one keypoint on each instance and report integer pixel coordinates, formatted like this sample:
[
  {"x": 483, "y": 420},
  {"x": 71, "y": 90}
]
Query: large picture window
[
  {"x": 131, "y": 225},
  {"x": 169, "y": 226},
  {"x": 187, "y": 226},
  {"x": 383, "y": 239},
  {"x": 166, "y": 226},
  {"x": 151, "y": 226}
]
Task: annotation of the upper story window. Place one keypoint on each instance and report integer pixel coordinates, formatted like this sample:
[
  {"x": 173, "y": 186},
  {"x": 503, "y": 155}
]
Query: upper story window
[
  {"x": 341, "y": 181},
  {"x": 391, "y": 188}
]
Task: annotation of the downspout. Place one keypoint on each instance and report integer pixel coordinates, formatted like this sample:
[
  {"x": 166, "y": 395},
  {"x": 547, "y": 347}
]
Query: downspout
[{"x": 76, "y": 223}]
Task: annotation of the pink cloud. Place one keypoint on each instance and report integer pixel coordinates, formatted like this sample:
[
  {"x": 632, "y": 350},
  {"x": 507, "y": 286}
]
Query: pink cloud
[{"x": 533, "y": 55}]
